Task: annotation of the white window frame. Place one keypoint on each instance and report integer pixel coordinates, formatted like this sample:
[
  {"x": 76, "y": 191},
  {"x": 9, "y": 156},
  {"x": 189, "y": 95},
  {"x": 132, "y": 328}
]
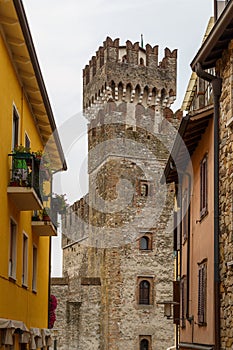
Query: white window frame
[
  {"x": 13, "y": 249},
  {"x": 25, "y": 260},
  {"x": 15, "y": 112},
  {"x": 34, "y": 267}
]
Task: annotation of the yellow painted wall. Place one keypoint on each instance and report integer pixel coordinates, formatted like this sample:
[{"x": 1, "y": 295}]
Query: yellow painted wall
[{"x": 17, "y": 302}]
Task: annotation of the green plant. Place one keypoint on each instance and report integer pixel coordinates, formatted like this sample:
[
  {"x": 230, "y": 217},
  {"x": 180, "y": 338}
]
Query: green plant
[
  {"x": 21, "y": 149},
  {"x": 45, "y": 211},
  {"x": 38, "y": 154}
]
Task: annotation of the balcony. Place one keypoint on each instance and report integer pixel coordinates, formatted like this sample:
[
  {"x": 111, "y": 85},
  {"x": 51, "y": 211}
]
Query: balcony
[
  {"x": 42, "y": 225},
  {"x": 44, "y": 228},
  {"x": 23, "y": 188}
]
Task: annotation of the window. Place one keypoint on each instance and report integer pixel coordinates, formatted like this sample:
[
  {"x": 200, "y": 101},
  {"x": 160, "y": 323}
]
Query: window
[
  {"x": 13, "y": 250},
  {"x": 25, "y": 261},
  {"x": 145, "y": 242},
  {"x": 27, "y": 141},
  {"x": 145, "y": 342},
  {"x": 34, "y": 268},
  {"x": 15, "y": 129},
  {"x": 202, "y": 293},
  {"x": 124, "y": 59},
  {"x": 144, "y": 292},
  {"x": 144, "y": 189},
  {"x": 141, "y": 61},
  {"x": 183, "y": 300},
  {"x": 203, "y": 187}
]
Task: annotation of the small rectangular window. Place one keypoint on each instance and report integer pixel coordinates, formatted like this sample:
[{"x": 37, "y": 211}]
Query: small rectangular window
[
  {"x": 34, "y": 268},
  {"x": 25, "y": 261},
  {"x": 203, "y": 187},
  {"x": 13, "y": 250},
  {"x": 202, "y": 293}
]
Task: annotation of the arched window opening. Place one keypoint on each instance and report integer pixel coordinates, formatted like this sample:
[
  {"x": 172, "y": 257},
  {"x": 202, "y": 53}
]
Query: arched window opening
[
  {"x": 124, "y": 59},
  {"x": 120, "y": 91},
  {"x": 145, "y": 95},
  {"x": 144, "y": 292},
  {"x": 112, "y": 86},
  {"x": 163, "y": 94},
  {"x": 141, "y": 61},
  {"x": 144, "y": 344},
  {"x": 144, "y": 243},
  {"x": 144, "y": 190},
  {"x": 128, "y": 92},
  {"x": 137, "y": 93}
]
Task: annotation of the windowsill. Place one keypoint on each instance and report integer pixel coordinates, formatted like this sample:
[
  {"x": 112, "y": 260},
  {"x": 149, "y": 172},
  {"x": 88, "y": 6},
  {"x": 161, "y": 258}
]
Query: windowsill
[
  {"x": 12, "y": 279},
  {"x": 202, "y": 217},
  {"x": 25, "y": 286},
  {"x": 145, "y": 250},
  {"x": 144, "y": 306},
  {"x": 34, "y": 291},
  {"x": 204, "y": 324}
]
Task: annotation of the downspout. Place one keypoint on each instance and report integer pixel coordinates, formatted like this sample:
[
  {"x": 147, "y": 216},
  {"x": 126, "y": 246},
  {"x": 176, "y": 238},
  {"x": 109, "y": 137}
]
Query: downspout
[
  {"x": 216, "y": 85},
  {"x": 189, "y": 318}
]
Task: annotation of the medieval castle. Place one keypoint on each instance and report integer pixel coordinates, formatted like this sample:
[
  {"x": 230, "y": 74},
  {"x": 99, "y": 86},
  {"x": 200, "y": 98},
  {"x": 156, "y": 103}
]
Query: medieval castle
[{"x": 117, "y": 240}]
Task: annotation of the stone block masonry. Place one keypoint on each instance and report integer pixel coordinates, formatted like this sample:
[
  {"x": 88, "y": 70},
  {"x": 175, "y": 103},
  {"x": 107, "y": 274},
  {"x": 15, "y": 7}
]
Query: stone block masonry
[{"x": 117, "y": 240}]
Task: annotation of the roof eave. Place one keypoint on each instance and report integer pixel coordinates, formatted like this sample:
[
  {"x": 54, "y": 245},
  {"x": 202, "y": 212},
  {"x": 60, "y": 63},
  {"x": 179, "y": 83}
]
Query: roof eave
[
  {"x": 212, "y": 39},
  {"x": 32, "y": 52}
]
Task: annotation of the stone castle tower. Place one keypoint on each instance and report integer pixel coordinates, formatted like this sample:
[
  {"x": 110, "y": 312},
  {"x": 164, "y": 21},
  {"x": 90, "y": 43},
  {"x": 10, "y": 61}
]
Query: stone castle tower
[{"x": 117, "y": 242}]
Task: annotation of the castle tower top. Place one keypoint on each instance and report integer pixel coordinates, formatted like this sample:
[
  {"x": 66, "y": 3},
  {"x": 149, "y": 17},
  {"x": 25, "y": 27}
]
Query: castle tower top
[{"x": 129, "y": 73}]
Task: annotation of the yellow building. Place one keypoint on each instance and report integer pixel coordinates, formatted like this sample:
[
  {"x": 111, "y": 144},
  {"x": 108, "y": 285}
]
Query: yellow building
[{"x": 26, "y": 119}]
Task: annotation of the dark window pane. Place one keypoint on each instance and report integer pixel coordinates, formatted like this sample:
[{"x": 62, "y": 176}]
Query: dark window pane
[
  {"x": 144, "y": 344},
  {"x": 144, "y": 243},
  {"x": 144, "y": 293}
]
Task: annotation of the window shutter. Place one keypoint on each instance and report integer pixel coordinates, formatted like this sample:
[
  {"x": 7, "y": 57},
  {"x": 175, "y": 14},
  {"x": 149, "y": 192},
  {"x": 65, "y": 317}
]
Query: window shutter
[
  {"x": 203, "y": 187},
  {"x": 202, "y": 293},
  {"x": 176, "y": 299}
]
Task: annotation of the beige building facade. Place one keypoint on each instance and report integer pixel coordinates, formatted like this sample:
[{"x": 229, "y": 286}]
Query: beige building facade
[{"x": 206, "y": 291}]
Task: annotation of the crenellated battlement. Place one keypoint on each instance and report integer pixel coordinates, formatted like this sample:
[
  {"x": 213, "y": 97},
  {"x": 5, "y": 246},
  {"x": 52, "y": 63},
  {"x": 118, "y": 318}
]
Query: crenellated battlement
[{"x": 112, "y": 75}]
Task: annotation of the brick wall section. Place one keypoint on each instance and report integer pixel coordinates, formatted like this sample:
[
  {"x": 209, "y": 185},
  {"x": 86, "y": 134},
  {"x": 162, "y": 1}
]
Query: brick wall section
[{"x": 226, "y": 199}]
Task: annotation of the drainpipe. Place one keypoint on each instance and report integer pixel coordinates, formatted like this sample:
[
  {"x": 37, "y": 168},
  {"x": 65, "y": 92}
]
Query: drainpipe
[{"x": 216, "y": 85}]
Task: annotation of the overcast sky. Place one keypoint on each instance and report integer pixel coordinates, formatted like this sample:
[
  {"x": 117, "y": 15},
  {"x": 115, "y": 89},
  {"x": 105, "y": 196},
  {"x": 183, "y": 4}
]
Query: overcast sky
[{"x": 67, "y": 34}]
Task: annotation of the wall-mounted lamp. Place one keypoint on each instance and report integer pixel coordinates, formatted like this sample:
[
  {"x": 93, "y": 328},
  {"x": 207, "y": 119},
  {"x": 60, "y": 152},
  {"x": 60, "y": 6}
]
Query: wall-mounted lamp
[
  {"x": 168, "y": 308},
  {"x": 55, "y": 334}
]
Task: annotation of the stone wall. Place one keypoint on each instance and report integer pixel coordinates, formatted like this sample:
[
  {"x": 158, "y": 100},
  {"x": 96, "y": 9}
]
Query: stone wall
[
  {"x": 225, "y": 70},
  {"x": 130, "y": 134}
]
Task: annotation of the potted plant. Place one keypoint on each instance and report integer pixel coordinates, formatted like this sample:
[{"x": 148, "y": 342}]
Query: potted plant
[
  {"x": 22, "y": 151},
  {"x": 45, "y": 214}
]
